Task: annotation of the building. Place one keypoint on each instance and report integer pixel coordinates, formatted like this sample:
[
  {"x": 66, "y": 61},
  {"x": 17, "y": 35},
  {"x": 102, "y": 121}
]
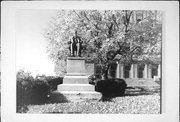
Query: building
[{"x": 137, "y": 70}]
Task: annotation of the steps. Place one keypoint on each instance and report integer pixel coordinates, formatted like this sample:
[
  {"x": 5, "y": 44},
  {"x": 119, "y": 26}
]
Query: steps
[{"x": 75, "y": 85}]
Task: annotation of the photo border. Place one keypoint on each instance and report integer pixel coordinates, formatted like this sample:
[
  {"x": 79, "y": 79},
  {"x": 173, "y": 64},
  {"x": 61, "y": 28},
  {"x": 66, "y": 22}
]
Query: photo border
[{"x": 170, "y": 60}]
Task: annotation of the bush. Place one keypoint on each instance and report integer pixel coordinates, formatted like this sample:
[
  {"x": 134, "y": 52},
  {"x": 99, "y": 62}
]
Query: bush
[
  {"x": 93, "y": 79},
  {"x": 24, "y": 84},
  {"x": 34, "y": 90},
  {"x": 39, "y": 92},
  {"x": 111, "y": 87},
  {"x": 54, "y": 82},
  {"x": 51, "y": 81}
]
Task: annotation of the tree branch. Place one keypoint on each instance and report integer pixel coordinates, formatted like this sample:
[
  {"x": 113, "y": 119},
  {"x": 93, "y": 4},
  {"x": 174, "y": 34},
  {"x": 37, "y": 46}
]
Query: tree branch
[
  {"x": 85, "y": 15},
  {"x": 76, "y": 13}
]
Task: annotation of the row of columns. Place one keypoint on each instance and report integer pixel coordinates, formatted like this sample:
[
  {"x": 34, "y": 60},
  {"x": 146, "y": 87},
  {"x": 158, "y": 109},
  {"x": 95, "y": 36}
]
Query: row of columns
[{"x": 133, "y": 72}]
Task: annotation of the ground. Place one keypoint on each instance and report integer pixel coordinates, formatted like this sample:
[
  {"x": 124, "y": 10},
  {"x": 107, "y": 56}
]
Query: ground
[{"x": 137, "y": 100}]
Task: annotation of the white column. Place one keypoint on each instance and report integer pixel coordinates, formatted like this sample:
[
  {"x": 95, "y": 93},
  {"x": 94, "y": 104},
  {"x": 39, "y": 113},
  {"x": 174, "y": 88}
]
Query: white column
[
  {"x": 131, "y": 71},
  {"x": 149, "y": 71},
  {"x": 121, "y": 67},
  {"x": 145, "y": 71},
  {"x": 159, "y": 70},
  {"x": 117, "y": 71},
  {"x": 135, "y": 71}
]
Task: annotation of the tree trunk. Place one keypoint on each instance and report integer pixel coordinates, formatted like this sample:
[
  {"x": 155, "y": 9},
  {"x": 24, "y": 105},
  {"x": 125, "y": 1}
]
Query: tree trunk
[
  {"x": 105, "y": 75},
  {"x": 105, "y": 72}
]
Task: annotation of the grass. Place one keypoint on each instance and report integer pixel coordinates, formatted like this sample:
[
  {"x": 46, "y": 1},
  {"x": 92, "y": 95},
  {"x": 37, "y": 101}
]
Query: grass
[{"x": 137, "y": 100}]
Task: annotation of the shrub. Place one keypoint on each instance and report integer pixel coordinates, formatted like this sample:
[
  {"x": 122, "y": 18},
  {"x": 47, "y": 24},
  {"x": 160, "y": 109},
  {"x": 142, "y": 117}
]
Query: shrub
[
  {"x": 52, "y": 81},
  {"x": 39, "y": 92},
  {"x": 24, "y": 84},
  {"x": 34, "y": 91},
  {"x": 93, "y": 79},
  {"x": 111, "y": 87}
]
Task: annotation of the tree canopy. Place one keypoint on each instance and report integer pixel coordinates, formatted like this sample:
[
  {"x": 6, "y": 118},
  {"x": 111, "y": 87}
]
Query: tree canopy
[{"x": 107, "y": 35}]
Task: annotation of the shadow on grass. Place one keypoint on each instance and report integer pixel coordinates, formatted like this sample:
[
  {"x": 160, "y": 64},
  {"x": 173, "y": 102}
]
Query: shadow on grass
[
  {"x": 131, "y": 91},
  {"x": 57, "y": 97},
  {"x": 54, "y": 97},
  {"x": 137, "y": 91}
]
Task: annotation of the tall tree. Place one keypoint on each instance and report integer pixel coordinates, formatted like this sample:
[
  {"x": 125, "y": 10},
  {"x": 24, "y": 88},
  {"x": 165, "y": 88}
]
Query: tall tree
[{"x": 107, "y": 35}]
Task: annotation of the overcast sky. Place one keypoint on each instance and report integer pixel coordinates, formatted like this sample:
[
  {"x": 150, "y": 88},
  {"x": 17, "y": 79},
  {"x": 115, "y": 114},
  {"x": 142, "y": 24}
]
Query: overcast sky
[{"x": 30, "y": 43}]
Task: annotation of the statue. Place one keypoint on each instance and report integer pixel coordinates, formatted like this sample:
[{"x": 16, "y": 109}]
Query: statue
[{"x": 75, "y": 45}]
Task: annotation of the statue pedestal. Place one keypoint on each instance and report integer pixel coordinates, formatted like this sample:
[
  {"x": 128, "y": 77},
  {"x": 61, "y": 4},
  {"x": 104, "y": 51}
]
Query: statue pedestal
[{"x": 75, "y": 84}]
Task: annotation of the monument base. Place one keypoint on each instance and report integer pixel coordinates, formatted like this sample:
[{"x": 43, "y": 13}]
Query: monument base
[
  {"x": 73, "y": 96},
  {"x": 75, "y": 85},
  {"x": 73, "y": 79}
]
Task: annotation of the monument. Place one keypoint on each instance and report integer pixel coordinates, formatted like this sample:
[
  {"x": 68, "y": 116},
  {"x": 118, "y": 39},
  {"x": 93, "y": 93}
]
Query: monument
[
  {"x": 75, "y": 83},
  {"x": 75, "y": 45}
]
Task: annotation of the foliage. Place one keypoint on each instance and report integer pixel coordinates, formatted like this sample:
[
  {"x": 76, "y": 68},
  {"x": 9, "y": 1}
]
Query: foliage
[
  {"x": 93, "y": 79},
  {"x": 107, "y": 35},
  {"x": 34, "y": 90},
  {"x": 111, "y": 87},
  {"x": 24, "y": 85},
  {"x": 52, "y": 81}
]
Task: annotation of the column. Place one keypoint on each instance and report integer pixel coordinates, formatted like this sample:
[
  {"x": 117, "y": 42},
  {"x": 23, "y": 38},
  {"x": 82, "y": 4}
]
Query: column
[
  {"x": 149, "y": 70},
  {"x": 131, "y": 73},
  {"x": 117, "y": 71},
  {"x": 145, "y": 72},
  {"x": 135, "y": 71},
  {"x": 121, "y": 69}
]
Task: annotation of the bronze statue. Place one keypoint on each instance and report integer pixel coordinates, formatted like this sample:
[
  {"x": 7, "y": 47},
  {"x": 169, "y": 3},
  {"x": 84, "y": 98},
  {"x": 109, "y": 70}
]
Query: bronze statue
[{"x": 75, "y": 45}]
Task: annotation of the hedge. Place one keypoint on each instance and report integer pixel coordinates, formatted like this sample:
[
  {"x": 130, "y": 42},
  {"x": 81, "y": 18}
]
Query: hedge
[{"x": 35, "y": 90}]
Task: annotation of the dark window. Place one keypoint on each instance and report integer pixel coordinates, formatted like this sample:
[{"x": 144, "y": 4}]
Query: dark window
[
  {"x": 154, "y": 70},
  {"x": 126, "y": 71},
  {"x": 140, "y": 71},
  {"x": 112, "y": 70}
]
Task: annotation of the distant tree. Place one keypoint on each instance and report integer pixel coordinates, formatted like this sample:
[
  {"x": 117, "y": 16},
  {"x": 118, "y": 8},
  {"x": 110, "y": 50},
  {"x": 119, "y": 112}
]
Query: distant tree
[{"x": 107, "y": 35}]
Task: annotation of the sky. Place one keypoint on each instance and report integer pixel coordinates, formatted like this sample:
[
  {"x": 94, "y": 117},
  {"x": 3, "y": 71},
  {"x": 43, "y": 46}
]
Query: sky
[{"x": 30, "y": 44}]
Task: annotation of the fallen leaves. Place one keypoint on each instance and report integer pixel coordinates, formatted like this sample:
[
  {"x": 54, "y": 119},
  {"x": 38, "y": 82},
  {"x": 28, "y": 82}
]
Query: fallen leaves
[{"x": 142, "y": 104}]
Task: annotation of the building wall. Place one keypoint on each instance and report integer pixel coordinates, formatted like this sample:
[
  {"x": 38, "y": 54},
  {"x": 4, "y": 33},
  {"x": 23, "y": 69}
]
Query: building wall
[
  {"x": 147, "y": 71},
  {"x": 119, "y": 70}
]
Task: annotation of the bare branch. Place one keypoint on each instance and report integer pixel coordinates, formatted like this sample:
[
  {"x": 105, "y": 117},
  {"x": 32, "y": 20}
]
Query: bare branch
[
  {"x": 96, "y": 26},
  {"x": 85, "y": 15},
  {"x": 76, "y": 13}
]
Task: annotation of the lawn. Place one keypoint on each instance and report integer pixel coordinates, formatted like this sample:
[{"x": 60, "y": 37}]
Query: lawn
[{"x": 137, "y": 100}]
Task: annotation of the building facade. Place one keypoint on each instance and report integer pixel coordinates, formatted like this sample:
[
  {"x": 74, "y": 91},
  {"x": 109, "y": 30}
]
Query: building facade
[{"x": 136, "y": 71}]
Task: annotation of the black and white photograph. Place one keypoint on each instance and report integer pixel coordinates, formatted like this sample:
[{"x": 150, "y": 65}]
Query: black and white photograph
[
  {"x": 100, "y": 61},
  {"x": 81, "y": 61}
]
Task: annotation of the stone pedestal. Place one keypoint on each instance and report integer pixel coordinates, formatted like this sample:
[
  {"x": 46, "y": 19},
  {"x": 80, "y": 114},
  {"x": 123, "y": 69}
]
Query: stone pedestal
[{"x": 75, "y": 84}]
